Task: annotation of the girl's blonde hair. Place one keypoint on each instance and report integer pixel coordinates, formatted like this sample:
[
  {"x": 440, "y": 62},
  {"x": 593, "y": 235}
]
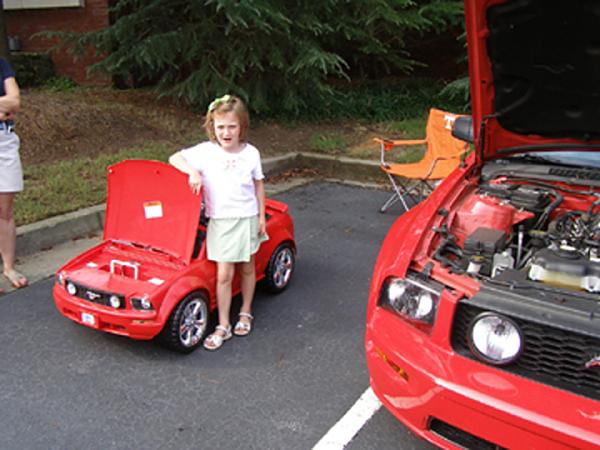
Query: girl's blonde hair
[{"x": 222, "y": 105}]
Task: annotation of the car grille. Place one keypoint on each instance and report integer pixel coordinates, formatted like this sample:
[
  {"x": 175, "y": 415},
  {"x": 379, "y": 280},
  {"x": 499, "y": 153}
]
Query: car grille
[
  {"x": 460, "y": 437},
  {"x": 95, "y": 296},
  {"x": 552, "y": 356}
]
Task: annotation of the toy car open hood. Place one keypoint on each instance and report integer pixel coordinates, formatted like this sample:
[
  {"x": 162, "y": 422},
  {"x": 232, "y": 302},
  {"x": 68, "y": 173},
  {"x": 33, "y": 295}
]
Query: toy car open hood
[
  {"x": 151, "y": 204},
  {"x": 534, "y": 69}
]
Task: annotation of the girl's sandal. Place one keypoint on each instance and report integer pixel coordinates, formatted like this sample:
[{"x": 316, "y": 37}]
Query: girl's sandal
[
  {"x": 215, "y": 340},
  {"x": 243, "y": 327}
]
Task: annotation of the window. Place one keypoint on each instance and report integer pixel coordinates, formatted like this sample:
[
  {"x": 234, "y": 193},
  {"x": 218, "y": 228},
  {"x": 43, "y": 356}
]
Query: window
[{"x": 38, "y": 4}]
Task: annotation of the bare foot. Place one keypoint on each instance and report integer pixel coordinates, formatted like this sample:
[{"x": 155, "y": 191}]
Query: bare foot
[{"x": 17, "y": 279}]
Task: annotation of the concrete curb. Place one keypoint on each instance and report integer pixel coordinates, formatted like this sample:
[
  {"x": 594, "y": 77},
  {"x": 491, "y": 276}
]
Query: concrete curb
[{"x": 48, "y": 233}]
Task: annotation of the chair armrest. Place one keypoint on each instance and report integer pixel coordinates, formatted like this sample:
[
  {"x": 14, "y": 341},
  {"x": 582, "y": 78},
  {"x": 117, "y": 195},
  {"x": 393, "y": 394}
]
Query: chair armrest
[{"x": 389, "y": 144}]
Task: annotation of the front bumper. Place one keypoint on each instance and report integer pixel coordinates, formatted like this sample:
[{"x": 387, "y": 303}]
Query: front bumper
[
  {"x": 133, "y": 324},
  {"x": 422, "y": 382}
]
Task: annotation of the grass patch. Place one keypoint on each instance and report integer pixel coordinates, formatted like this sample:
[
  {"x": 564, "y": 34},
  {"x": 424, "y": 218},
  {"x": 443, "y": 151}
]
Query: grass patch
[
  {"x": 66, "y": 186},
  {"x": 330, "y": 143},
  {"x": 407, "y": 155},
  {"x": 412, "y": 128}
]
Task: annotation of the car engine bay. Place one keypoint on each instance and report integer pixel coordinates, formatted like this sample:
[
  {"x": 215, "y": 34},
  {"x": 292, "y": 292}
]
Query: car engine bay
[{"x": 520, "y": 229}]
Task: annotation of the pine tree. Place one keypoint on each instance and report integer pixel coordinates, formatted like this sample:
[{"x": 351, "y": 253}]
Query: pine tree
[{"x": 278, "y": 54}]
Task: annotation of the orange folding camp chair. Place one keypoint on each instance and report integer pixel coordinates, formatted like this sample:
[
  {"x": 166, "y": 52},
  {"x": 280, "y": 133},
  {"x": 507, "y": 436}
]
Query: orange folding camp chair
[{"x": 443, "y": 154}]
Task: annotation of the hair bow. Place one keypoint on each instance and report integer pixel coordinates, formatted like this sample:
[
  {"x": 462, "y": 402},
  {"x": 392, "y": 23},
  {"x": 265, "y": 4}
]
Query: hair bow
[{"x": 218, "y": 101}]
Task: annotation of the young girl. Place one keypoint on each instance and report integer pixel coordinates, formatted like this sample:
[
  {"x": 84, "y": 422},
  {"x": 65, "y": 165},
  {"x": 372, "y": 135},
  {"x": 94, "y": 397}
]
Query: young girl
[{"x": 230, "y": 171}]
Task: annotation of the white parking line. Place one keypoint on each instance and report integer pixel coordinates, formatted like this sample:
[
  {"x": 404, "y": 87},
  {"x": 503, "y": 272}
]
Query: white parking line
[{"x": 346, "y": 428}]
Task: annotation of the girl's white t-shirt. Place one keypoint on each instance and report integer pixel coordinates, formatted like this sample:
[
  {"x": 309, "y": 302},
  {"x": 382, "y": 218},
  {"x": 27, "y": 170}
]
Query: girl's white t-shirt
[{"x": 227, "y": 178}]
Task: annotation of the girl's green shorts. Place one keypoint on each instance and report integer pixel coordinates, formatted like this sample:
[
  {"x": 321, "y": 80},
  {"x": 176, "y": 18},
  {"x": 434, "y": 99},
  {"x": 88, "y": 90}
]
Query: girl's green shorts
[{"x": 233, "y": 240}]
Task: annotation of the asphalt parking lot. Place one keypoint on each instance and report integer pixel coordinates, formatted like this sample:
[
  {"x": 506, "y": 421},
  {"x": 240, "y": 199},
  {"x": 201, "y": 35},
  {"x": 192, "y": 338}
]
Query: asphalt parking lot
[{"x": 283, "y": 387}]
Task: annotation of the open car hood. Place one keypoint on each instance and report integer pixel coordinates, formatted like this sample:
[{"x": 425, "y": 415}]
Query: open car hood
[
  {"x": 151, "y": 204},
  {"x": 534, "y": 69}
]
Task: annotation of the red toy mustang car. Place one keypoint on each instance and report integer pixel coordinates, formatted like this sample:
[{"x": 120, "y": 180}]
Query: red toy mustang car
[
  {"x": 483, "y": 322},
  {"x": 150, "y": 277}
]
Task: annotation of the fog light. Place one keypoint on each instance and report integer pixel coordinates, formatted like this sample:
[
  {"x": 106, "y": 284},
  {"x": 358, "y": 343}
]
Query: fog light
[
  {"x": 495, "y": 339},
  {"x": 142, "y": 303},
  {"x": 71, "y": 288},
  {"x": 114, "y": 301}
]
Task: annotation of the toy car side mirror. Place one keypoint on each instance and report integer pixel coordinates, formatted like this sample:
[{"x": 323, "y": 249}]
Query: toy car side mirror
[{"x": 463, "y": 129}]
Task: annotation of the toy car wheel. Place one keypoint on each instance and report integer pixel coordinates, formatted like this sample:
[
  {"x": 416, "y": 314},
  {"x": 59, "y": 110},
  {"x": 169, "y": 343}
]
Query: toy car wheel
[
  {"x": 188, "y": 323},
  {"x": 280, "y": 268}
]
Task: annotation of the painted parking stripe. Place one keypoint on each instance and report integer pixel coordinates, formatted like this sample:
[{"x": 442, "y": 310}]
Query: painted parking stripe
[{"x": 346, "y": 428}]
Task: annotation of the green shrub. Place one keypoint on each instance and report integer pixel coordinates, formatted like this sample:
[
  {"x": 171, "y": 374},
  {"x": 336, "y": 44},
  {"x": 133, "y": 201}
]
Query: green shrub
[
  {"x": 380, "y": 101},
  {"x": 59, "y": 84},
  {"x": 32, "y": 69}
]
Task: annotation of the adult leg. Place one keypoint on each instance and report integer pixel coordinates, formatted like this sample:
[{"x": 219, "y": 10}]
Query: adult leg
[{"x": 8, "y": 238}]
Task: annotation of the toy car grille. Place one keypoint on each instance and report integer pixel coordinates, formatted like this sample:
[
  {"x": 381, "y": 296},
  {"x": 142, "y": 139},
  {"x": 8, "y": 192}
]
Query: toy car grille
[
  {"x": 95, "y": 296},
  {"x": 552, "y": 356}
]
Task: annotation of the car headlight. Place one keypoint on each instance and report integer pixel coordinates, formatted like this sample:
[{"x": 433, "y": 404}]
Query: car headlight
[
  {"x": 71, "y": 288},
  {"x": 411, "y": 298},
  {"x": 495, "y": 339},
  {"x": 142, "y": 303}
]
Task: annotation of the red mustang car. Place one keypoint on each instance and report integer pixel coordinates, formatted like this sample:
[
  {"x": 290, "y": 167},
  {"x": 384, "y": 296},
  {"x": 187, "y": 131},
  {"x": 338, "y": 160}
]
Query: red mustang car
[
  {"x": 483, "y": 322},
  {"x": 150, "y": 276}
]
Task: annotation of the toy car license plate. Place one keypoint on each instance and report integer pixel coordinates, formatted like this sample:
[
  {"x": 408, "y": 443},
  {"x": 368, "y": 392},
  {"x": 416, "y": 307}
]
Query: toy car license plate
[{"x": 88, "y": 319}]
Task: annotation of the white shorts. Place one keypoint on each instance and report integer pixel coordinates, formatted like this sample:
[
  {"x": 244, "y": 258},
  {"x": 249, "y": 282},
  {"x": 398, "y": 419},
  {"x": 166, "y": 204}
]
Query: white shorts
[
  {"x": 233, "y": 240},
  {"x": 11, "y": 173}
]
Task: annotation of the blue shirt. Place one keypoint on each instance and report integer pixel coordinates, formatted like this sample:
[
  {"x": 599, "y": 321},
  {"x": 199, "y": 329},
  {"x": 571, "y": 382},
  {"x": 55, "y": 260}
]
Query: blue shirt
[{"x": 7, "y": 72}]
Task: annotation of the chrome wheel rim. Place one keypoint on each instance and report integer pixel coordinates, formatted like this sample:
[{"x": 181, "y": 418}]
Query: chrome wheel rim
[
  {"x": 284, "y": 264},
  {"x": 193, "y": 322}
]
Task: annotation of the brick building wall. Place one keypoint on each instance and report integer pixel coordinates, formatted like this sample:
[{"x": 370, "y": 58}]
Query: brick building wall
[{"x": 24, "y": 23}]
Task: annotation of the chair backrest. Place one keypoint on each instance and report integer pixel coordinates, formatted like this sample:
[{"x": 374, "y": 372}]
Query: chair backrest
[{"x": 441, "y": 145}]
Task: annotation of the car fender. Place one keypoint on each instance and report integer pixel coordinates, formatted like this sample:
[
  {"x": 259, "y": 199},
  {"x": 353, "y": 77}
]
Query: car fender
[
  {"x": 182, "y": 287},
  {"x": 408, "y": 232},
  {"x": 279, "y": 237}
]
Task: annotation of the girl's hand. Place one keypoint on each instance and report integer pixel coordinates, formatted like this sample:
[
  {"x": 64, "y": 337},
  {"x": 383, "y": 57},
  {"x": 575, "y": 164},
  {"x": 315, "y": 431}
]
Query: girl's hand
[
  {"x": 195, "y": 182},
  {"x": 262, "y": 226}
]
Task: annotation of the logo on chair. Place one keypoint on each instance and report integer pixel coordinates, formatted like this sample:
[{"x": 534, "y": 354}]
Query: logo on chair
[{"x": 449, "y": 121}]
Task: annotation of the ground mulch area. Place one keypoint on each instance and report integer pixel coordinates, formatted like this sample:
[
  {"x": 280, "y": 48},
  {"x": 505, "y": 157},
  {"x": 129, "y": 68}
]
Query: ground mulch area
[{"x": 54, "y": 126}]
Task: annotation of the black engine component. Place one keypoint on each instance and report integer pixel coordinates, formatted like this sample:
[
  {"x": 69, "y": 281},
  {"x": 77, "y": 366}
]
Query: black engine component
[
  {"x": 520, "y": 196},
  {"x": 482, "y": 244}
]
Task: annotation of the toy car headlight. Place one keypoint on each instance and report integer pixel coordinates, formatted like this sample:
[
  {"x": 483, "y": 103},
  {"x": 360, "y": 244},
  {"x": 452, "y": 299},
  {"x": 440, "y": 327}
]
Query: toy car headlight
[
  {"x": 60, "y": 279},
  {"x": 411, "y": 298},
  {"x": 71, "y": 288},
  {"x": 495, "y": 339},
  {"x": 142, "y": 303}
]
